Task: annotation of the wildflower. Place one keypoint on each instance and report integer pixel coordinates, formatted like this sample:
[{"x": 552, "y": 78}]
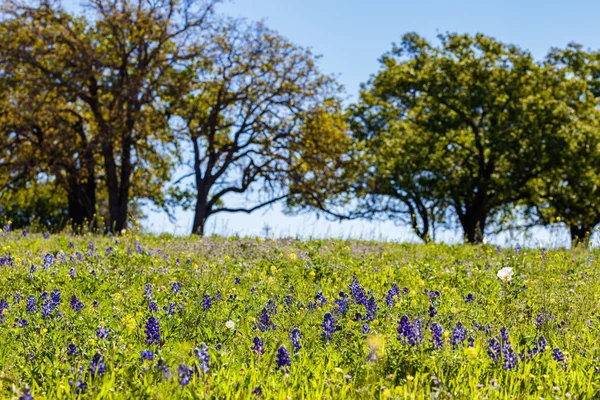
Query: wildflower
[
  {"x": 257, "y": 391},
  {"x": 557, "y": 354},
  {"x": 76, "y": 305},
  {"x": 357, "y": 292},
  {"x": 26, "y": 392},
  {"x": 510, "y": 358},
  {"x": 390, "y": 299},
  {"x": 207, "y": 302},
  {"x": 320, "y": 299},
  {"x": 295, "y": 336},
  {"x": 494, "y": 349},
  {"x": 170, "y": 309},
  {"x": 204, "y": 357},
  {"x": 469, "y": 298},
  {"x": 72, "y": 273},
  {"x": 506, "y": 274},
  {"x": 238, "y": 281},
  {"x": 271, "y": 307},
  {"x": 31, "y": 307},
  {"x": 230, "y": 325},
  {"x": 162, "y": 366},
  {"x": 409, "y": 332},
  {"x": 264, "y": 321},
  {"x": 97, "y": 365},
  {"x": 185, "y": 374},
  {"x": 282, "y": 358},
  {"x": 432, "y": 311},
  {"x": 102, "y": 333},
  {"x": 153, "y": 307},
  {"x": 437, "y": 332},
  {"x": 72, "y": 349},
  {"x": 152, "y": 331},
  {"x": 433, "y": 295},
  {"x": 371, "y": 309},
  {"x": 458, "y": 335},
  {"x": 329, "y": 326},
  {"x": 176, "y": 287},
  {"x": 146, "y": 355},
  {"x": 48, "y": 261},
  {"x": 366, "y": 329},
  {"x": 341, "y": 303},
  {"x": 148, "y": 295},
  {"x": 258, "y": 345}
]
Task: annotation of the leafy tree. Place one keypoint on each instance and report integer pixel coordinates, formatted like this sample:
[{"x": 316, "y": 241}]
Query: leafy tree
[
  {"x": 569, "y": 190},
  {"x": 113, "y": 63},
  {"x": 464, "y": 125},
  {"x": 247, "y": 114}
]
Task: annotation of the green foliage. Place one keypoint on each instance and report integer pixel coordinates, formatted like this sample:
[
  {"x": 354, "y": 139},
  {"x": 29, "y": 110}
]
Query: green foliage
[{"x": 552, "y": 294}]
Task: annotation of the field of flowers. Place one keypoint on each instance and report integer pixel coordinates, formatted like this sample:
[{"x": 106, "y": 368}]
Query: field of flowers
[{"x": 162, "y": 317}]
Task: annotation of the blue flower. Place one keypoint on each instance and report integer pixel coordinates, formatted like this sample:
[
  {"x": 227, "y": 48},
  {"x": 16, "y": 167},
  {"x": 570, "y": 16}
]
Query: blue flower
[
  {"x": 97, "y": 366},
  {"x": 329, "y": 326},
  {"x": 392, "y": 293},
  {"x": 153, "y": 307},
  {"x": 102, "y": 333},
  {"x": 469, "y": 298},
  {"x": 185, "y": 374},
  {"x": 342, "y": 303},
  {"x": 264, "y": 321},
  {"x": 295, "y": 336},
  {"x": 371, "y": 309},
  {"x": 76, "y": 305},
  {"x": 437, "y": 332},
  {"x": 282, "y": 358},
  {"x": 176, "y": 287},
  {"x": 409, "y": 332},
  {"x": 458, "y": 335},
  {"x": 26, "y": 393},
  {"x": 148, "y": 295},
  {"x": 204, "y": 357},
  {"x": 146, "y": 355},
  {"x": 432, "y": 311},
  {"x": 30, "y": 306},
  {"x": 557, "y": 354},
  {"x": 72, "y": 349},
  {"x": 258, "y": 345},
  {"x": 494, "y": 349},
  {"x": 357, "y": 292},
  {"x": 207, "y": 302},
  {"x": 320, "y": 299},
  {"x": 152, "y": 331}
]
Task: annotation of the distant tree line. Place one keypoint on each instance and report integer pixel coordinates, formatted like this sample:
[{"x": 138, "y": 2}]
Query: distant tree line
[{"x": 128, "y": 102}]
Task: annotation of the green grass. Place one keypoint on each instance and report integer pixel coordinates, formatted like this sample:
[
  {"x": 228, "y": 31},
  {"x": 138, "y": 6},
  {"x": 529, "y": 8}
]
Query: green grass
[{"x": 563, "y": 284}]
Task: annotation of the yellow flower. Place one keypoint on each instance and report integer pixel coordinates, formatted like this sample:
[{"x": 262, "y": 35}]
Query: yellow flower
[
  {"x": 293, "y": 256},
  {"x": 312, "y": 273},
  {"x": 18, "y": 260},
  {"x": 453, "y": 309},
  {"x": 387, "y": 393},
  {"x": 44, "y": 331},
  {"x": 471, "y": 351}
]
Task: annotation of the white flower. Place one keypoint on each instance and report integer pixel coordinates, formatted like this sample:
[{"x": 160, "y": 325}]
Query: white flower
[
  {"x": 230, "y": 325},
  {"x": 484, "y": 241},
  {"x": 506, "y": 274}
]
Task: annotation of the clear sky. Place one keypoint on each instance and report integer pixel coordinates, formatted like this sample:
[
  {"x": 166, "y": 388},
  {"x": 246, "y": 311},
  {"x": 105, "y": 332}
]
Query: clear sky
[{"x": 351, "y": 35}]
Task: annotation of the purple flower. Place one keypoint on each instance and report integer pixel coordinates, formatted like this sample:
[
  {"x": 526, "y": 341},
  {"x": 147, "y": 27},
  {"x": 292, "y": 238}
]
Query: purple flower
[
  {"x": 295, "y": 336},
  {"x": 76, "y": 305},
  {"x": 146, "y": 355},
  {"x": 26, "y": 392},
  {"x": 258, "y": 345},
  {"x": 72, "y": 273},
  {"x": 153, "y": 307},
  {"x": 72, "y": 349},
  {"x": 176, "y": 287},
  {"x": 437, "y": 332},
  {"x": 207, "y": 302},
  {"x": 494, "y": 349},
  {"x": 282, "y": 358},
  {"x": 320, "y": 299},
  {"x": 458, "y": 335},
  {"x": 185, "y": 374},
  {"x": 342, "y": 303},
  {"x": 366, "y": 329},
  {"x": 357, "y": 292},
  {"x": 510, "y": 358},
  {"x": 371, "y": 309},
  {"x": 30, "y": 307},
  {"x": 204, "y": 357},
  {"x": 469, "y": 298},
  {"x": 393, "y": 292},
  {"x": 97, "y": 366},
  {"x": 148, "y": 295},
  {"x": 102, "y": 333},
  {"x": 264, "y": 321},
  {"x": 152, "y": 331},
  {"x": 557, "y": 354},
  {"x": 409, "y": 332},
  {"x": 329, "y": 326},
  {"x": 432, "y": 311},
  {"x": 170, "y": 309}
]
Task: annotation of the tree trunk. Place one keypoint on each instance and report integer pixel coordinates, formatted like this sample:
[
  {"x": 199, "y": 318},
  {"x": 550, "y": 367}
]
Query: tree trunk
[
  {"x": 200, "y": 215},
  {"x": 82, "y": 205},
  {"x": 580, "y": 235},
  {"x": 118, "y": 189},
  {"x": 473, "y": 224}
]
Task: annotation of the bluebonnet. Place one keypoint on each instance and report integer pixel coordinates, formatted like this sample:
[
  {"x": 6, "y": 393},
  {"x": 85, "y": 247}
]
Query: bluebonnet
[
  {"x": 518, "y": 249},
  {"x": 320, "y": 299},
  {"x": 176, "y": 287},
  {"x": 146, "y": 355},
  {"x": 257, "y": 391},
  {"x": 287, "y": 300},
  {"x": 433, "y": 295},
  {"x": 206, "y": 302},
  {"x": 458, "y": 335},
  {"x": 76, "y": 305},
  {"x": 153, "y": 307},
  {"x": 542, "y": 343},
  {"x": 32, "y": 270},
  {"x": 258, "y": 345},
  {"x": 138, "y": 248},
  {"x": 371, "y": 309},
  {"x": 238, "y": 281},
  {"x": 48, "y": 260},
  {"x": 22, "y": 322},
  {"x": 557, "y": 354},
  {"x": 170, "y": 309},
  {"x": 432, "y": 311},
  {"x": 97, "y": 366},
  {"x": 329, "y": 326},
  {"x": 185, "y": 374},
  {"x": 26, "y": 392},
  {"x": 161, "y": 365},
  {"x": 366, "y": 329},
  {"x": 102, "y": 333},
  {"x": 510, "y": 358},
  {"x": 391, "y": 294},
  {"x": 342, "y": 303},
  {"x": 218, "y": 296},
  {"x": 72, "y": 273},
  {"x": 470, "y": 341},
  {"x": 55, "y": 296},
  {"x": 295, "y": 336},
  {"x": 437, "y": 332},
  {"x": 271, "y": 307},
  {"x": 46, "y": 235},
  {"x": 409, "y": 332},
  {"x": 152, "y": 331},
  {"x": 148, "y": 295},
  {"x": 480, "y": 327},
  {"x": 3, "y": 305},
  {"x": 357, "y": 292},
  {"x": 282, "y": 358},
  {"x": 469, "y": 298},
  {"x": 264, "y": 321},
  {"x": 72, "y": 349},
  {"x": 204, "y": 357},
  {"x": 494, "y": 349},
  {"x": 30, "y": 307},
  {"x": 17, "y": 297}
]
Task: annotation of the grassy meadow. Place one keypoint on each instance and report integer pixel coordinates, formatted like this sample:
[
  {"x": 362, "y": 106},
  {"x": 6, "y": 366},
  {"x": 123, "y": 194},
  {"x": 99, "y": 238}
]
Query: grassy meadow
[{"x": 91, "y": 317}]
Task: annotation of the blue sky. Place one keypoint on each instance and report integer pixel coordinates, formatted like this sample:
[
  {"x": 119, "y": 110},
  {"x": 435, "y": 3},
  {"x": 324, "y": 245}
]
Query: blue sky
[{"x": 351, "y": 35}]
